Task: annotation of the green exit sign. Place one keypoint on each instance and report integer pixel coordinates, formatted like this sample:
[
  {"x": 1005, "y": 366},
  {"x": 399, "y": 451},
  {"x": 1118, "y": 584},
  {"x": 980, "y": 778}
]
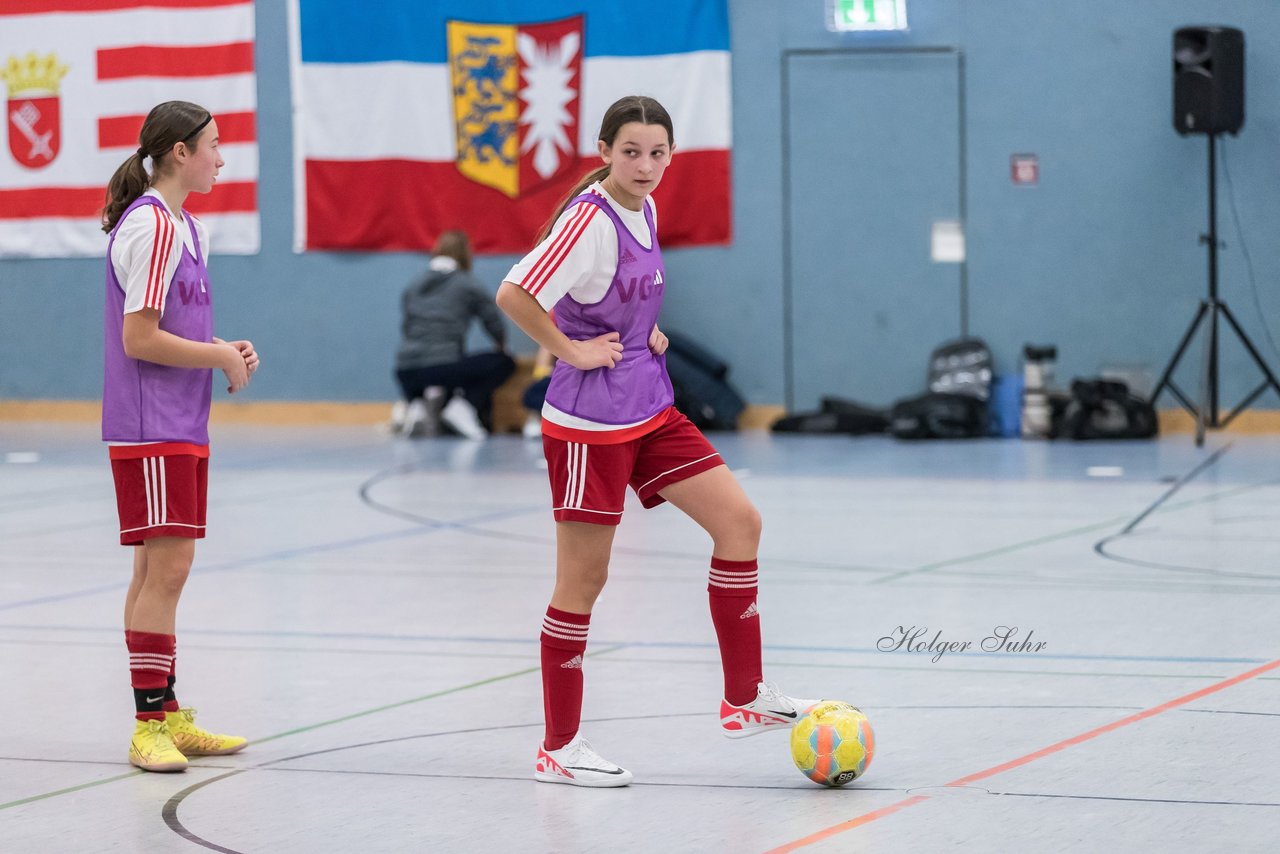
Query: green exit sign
[{"x": 868, "y": 15}]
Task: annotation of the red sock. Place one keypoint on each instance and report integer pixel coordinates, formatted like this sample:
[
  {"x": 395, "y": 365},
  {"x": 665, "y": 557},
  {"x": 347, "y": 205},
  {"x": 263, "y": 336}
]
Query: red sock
[
  {"x": 170, "y": 698},
  {"x": 564, "y": 641},
  {"x": 150, "y": 660},
  {"x": 732, "y": 589}
]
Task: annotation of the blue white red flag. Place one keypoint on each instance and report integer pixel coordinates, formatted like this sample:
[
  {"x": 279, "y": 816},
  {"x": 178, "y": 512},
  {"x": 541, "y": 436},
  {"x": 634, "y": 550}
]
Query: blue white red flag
[{"x": 417, "y": 116}]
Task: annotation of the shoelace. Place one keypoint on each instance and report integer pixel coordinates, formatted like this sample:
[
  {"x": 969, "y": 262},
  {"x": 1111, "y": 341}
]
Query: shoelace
[
  {"x": 585, "y": 753},
  {"x": 771, "y": 693}
]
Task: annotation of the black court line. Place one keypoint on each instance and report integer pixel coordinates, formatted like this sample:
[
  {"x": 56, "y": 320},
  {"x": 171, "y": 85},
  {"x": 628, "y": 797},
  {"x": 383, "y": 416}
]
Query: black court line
[
  {"x": 1102, "y": 547},
  {"x": 169, "y": 813},
  {"x": 170, "y": 809},
  {"x": 1178, "y": 801},
  {"x": 469, "y": 527},
  {"x": 1177, "y": 485}
]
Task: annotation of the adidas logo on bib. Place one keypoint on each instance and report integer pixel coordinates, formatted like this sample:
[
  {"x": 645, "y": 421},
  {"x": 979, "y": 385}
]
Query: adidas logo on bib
[{"x": 625, "y": 256}]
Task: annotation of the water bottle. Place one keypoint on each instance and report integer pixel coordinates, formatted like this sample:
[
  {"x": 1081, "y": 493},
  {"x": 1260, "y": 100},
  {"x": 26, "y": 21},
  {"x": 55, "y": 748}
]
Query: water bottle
[{"x": 1037, "y": 378}]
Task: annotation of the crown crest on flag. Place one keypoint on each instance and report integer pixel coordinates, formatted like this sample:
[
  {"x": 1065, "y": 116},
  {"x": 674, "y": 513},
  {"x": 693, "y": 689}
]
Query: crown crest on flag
[{"x": 33, "y": 74}]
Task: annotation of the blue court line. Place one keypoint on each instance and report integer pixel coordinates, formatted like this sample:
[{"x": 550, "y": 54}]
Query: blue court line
[
  {"x": 222, "y": 567},
  {"x": 633, "y": 644},
  {"x": 422, "y": 527},
  {"x": 119, "y": 585}
]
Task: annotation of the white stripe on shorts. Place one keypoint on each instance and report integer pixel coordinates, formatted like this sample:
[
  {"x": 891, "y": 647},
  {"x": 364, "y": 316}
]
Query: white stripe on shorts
[
  {"x": 576, "y": 483},
  {"x": 164, "y": 492},
  {"x": 677, "y": 468},
  {"x": 146, "y": 486},
  {"x": 166, "y": 525},
  {"x": 582, "y": 477}
]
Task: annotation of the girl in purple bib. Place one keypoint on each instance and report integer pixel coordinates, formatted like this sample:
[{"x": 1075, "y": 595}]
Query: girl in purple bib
[
  {"x": 158, "y": 363},
  {"x": 608, "y": 423}
]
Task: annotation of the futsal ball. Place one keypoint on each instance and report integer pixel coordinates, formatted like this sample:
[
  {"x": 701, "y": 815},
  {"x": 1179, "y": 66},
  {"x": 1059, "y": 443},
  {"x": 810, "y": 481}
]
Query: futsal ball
[{"x": 833, "y": 744}]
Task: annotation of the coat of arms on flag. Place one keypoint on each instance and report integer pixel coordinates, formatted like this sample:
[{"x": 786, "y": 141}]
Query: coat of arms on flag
[
  {"x": 414, "y": 117},
  {"x": 35, "y": 121},
  {"x": 515, "y": 101}
]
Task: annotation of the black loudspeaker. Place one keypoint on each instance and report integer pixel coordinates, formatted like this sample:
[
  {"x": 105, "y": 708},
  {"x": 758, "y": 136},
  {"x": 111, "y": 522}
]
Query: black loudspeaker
[{"x": 1208, "y": 80}]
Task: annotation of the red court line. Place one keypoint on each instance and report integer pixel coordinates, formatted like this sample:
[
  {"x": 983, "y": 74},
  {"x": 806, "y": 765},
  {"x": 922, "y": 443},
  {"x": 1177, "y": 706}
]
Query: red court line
[
  {"x": 32, "y": 7},
  {"x": 206, "y": 60},
  {"x": 122, "y": 131},
  {"x": 866, "y": 818}
]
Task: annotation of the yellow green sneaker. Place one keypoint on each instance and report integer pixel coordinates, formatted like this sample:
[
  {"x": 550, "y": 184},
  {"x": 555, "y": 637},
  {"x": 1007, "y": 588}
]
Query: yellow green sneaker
[
  {"x": 152, "y": 748},
  {"x": 193, "y": 741}
]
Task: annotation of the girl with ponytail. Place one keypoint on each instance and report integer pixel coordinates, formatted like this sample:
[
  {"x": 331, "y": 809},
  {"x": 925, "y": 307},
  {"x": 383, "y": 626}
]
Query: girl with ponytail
[
  {"x": 608, "y": 423},
  {"x": 160, "y": 354}
]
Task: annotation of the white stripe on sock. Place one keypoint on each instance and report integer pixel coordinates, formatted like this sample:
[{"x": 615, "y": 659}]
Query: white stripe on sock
[
  {"x": 561, "y": 624},
  {"x": 561, "y": 636}
]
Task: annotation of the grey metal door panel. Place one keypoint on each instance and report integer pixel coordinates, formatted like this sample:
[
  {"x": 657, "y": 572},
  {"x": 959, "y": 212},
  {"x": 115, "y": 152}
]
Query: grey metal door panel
[{"x": 873, "y": 156}]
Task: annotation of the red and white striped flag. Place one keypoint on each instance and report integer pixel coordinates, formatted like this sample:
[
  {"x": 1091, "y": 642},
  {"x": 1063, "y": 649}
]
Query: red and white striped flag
[{"x": 81, "y": 76}]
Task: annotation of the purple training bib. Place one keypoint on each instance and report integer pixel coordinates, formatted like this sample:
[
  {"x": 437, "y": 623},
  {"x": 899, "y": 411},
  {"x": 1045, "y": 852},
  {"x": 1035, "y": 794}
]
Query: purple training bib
[
  {"x": 636, "y": 388},
  {"x": 143, "y": 401}
]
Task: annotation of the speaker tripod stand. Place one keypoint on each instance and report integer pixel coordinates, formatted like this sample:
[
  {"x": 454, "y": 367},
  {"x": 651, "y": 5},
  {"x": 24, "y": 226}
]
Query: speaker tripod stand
[{"x": 1206, "y": 410}]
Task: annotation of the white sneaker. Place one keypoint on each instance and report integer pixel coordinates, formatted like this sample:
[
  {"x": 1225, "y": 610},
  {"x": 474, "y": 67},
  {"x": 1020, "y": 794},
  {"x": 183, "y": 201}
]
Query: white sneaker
[
  {"x": 532, "y": 427},
  {"x": 398, "y": 411},
  {"x": 578, "y": 765},
  {"x": 771, "y": 709},
  {"x": 462, "y": 416},
  {"x": 415, "y": 419}
]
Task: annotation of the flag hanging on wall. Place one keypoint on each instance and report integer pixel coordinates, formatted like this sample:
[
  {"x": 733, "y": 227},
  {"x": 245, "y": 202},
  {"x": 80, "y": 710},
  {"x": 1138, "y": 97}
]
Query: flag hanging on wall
[
  {"x": 81, "y": 76},
  {"x": 412, "y": 117}
]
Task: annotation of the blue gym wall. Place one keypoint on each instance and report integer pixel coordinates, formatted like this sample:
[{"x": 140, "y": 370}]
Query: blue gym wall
[{"x": 1101, "y": 258}]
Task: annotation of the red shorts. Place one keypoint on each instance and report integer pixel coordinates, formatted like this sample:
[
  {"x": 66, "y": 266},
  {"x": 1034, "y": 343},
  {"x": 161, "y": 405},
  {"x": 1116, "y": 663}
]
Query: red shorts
[
  {"x": 589, "y": 482},
  {"x": 160, "y": 496}
]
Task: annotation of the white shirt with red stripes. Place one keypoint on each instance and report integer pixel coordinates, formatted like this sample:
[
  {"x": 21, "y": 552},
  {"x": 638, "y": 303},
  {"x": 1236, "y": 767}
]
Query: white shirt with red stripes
[
  {"x": 579, "y": 259},
  {"x": 146, "y": 252},
  {"x": 580, "y": 256}
]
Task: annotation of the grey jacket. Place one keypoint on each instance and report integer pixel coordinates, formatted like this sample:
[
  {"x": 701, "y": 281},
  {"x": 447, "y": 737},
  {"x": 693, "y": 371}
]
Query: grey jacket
[{"x": 436, "y": 313}]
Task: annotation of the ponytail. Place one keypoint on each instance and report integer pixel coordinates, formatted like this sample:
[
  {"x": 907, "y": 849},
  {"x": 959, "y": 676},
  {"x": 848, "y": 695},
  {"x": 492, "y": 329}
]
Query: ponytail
[
  {"x": 129, "y": 181},
  {"x": 633, "y": 108},
  {"x": 166, "y": 125},
  {"x": 584, "y": 182}
]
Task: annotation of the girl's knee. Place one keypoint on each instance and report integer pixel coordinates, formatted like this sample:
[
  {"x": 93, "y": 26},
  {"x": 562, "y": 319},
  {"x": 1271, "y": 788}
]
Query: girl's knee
[
  {"x": 584, "y": 582},
  {"x": 593, "y": 580},
  {"x": 166, "y": 568},
  {"x": 747, "y": 522},
  {"x": 168, "y": 580}
]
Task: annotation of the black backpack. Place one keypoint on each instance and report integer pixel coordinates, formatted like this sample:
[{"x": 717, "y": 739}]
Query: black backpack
[
  {"x": 702, "y": 390},
  {"x": 1104, "y": 409},
  {"x": 836, "y": 415},
  {"x": 939, "y": 416},
  {"x": 956, "y": 404},
  {"x": 963, "y": 366}
]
